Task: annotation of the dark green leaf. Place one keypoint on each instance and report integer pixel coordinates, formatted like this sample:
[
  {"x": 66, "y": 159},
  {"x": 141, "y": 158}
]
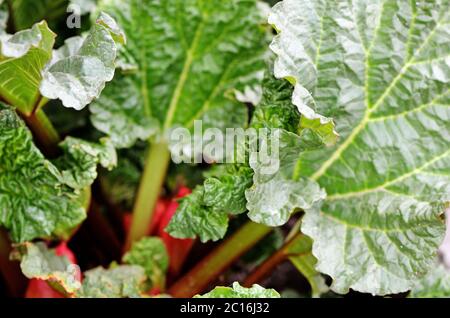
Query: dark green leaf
[{"x": 191, "y": 55}]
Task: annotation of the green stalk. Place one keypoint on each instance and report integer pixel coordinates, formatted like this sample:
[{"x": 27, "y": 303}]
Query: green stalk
[
  {"x": 208, "y": 269},
  {"x": 155, "y": 170}
]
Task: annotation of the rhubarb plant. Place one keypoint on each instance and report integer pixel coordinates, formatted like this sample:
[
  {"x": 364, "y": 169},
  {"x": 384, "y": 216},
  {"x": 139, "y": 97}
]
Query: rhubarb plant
[{"x": 341, "y": 176}]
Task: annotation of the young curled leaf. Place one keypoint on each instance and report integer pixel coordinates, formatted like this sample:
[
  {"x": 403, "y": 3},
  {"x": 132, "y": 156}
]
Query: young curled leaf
[
  {"x": 193, "y": 218},
  {"x": 183, "y": 62}
]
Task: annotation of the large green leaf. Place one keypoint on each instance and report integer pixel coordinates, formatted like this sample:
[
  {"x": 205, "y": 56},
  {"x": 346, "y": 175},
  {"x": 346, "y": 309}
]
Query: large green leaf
[
  {"x": 381, "y": 70},
  {"x": 205, "y": 211},
  {"x": 22, "y": 58},
  {"x": 191, "y": 55},
  {"x": 237, "y": 291},
  {"x": 278, "y": 189},
  {"x": 38, "y": 200}
]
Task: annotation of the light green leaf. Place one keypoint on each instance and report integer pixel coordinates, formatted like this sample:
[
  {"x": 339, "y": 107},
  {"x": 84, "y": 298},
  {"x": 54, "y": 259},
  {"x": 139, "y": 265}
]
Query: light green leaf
[
  {"x": 120, "y": 97},
  {"x": 36, "y": 199},
  {"x": 191, "y": 57},
  {"x": 436, "y": 284},
  {"x": 205, "y": 212},
  {"x": 37, "y": 261},
  {"x": 301, "y": 69},
  {"x": 151, "y": 254},
  {"x": 79, "y": 78},
  {"x": 237, "y": 291},
  {"x": 22, "y": 57},
  {"x": 124, "y": 281},
  {"x": 381, "y": 70}
]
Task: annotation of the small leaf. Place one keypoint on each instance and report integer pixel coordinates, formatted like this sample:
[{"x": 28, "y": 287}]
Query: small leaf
[
  {"x": 23, "y": 56},
  {"x": 36, "y": 199},
  {"x": 79, "y": 164},
  {"x": 79, "y": 78},
  {"x": 124, "y": 281},
  {"x": 27, "y": 12},
  {"x": 184, "y": 61},
  {"x": 237, "y": 291},
  {"x": 149, "y": 253},
  {"x": 37, "y": 261}
]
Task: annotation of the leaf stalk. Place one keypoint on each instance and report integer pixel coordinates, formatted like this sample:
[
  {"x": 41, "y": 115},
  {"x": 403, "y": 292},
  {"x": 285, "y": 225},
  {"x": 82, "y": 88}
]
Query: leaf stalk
[
  {"x": 208, "y": 269},
  {"x": 155, "y": 171}
]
